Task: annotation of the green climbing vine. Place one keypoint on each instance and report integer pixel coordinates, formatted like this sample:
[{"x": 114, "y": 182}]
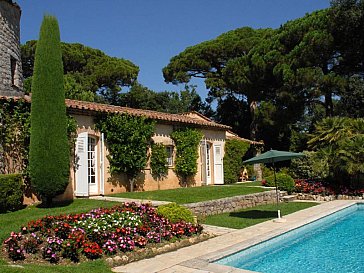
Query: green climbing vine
[
  {"x": 15, "y": 135},
  {"x": 128, "y": 139},
  {"x": 158, "y": 161},
  {"x": 234, "y": 152},
  {"x": 187, "y": 142}
]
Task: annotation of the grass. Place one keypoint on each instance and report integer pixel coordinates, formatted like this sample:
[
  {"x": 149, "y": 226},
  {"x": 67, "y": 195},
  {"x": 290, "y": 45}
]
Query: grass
[
  {"x": 192, "y": 194},
  {"x": 252, "y": 216},
  {"x": 89, "y": 267},
  {"x": 12, "y": 221}
]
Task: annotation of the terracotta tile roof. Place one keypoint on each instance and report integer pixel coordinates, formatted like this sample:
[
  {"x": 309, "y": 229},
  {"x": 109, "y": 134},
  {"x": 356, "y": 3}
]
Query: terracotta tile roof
[
  {"x": 175, "y": 118},
  {"x": 196, "y": 115},
  {"x": 90, "y": 108},
  {"x": 232, "y": 135}
]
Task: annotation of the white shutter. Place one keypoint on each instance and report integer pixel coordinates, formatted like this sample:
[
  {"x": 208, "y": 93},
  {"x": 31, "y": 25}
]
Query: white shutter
[
  {"x": 203, "y": 161},
  {"x": 102, "y": 168},
  {"x": 81, "y": 165},
  {"x": 218, "y": 165}
]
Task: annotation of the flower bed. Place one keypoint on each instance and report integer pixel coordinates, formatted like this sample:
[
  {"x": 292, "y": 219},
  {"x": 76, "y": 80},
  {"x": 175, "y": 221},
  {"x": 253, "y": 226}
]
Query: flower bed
[
  {"x": 313, "y": 187},
  {"x": 100, "y": 232},
  {"x": 318, "y": 188}
]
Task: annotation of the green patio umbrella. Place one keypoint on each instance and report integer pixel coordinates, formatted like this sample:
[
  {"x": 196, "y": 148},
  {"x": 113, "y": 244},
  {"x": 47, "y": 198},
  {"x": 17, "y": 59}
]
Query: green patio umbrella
[{"x": 273, "y": 156}]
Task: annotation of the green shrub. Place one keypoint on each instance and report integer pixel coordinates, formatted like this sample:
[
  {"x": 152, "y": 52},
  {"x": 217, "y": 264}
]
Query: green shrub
[
  {"x": 175, "y": 213},
  {"x": 284, "y": 182},
  {"x": 312, "y": 165},
  {"x": 267, "y": 171},
  {"x": 233, "y": 163},
  {"x": 11, "y": 192}
]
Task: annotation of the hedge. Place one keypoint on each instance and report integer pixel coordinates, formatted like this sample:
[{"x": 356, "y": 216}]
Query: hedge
[
  {"x": 11, "y": 192},
  {"x": 234, "y": 152},
  {"x": 284, "y": 182},
  {"x": 175, "y": 213}
]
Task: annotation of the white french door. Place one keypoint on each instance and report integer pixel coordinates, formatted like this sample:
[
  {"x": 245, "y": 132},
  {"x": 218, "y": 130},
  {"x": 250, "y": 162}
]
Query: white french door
[
  {"x": 86, "y": 165},
  {"x": 218, "y": 165}
]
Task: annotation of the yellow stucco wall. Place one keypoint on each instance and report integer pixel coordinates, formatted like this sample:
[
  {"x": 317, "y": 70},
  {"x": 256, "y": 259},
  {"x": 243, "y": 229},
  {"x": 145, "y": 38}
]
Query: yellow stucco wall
[{"x": 145, "y": 182}]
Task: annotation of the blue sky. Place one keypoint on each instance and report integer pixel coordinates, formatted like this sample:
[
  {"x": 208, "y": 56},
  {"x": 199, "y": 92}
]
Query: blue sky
[{"x": 150, "y": 32}]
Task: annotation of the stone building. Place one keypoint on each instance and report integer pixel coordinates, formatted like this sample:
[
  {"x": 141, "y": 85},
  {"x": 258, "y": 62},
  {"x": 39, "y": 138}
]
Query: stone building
[{"x": 11, "y": 79}]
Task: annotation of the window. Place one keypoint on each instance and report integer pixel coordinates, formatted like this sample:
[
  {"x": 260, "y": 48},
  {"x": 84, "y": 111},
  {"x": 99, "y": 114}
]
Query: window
[
  {"x": 169, "y": 150},
  {"x": 12, "y": 69}
]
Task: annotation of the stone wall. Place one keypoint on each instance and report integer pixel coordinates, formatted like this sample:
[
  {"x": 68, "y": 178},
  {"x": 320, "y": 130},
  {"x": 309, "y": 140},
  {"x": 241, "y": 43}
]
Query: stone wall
[
  {"x": 11, "y": 79},
  {"x": 234, "y": 203}
]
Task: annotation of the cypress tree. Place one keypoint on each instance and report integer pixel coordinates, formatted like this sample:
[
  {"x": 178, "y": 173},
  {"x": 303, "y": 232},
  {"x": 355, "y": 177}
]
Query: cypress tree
[{"x": 49, "y": 152}]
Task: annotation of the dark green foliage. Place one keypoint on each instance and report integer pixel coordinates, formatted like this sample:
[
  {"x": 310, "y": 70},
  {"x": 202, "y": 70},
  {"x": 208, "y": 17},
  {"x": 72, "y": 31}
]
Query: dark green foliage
[
  {"x": 284, "y": 182},
  {"x": 48, "y": 152},
  {"x": 175, "y": 213},
  {"x": 11, "y": 192},
  {"x": 14, "y": 136},
  {"x": 346, "y": 25},
  {"x": 234, "y": 112},
  {"x": 168, "y": 101},
  {"x": 187, "y": 142},
  {"x": 351, "y": 102},
  {"x": 128, "y": 138},
  {"x": 311, "y": 166},
  {"x": 340, "y": 141},
  {"x": 234, "y": 152},
  {"x": 158, "y": 161},
  {"x": 89, "y": 73},
  {"x": 269, "y": 83}
]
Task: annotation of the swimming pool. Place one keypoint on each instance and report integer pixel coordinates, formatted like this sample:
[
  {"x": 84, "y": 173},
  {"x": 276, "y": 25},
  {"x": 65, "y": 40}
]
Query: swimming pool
[{"x": 332, "y": 244}]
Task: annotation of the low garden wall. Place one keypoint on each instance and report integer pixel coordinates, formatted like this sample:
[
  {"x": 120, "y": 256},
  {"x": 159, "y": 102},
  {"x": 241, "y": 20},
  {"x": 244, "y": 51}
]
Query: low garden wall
[
  {"x": 322, "y": 198},
  {"x": 234, "y": 203}
]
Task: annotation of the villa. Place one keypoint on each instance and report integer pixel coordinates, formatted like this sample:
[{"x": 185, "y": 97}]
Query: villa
[{"x": 90, "y": 174}]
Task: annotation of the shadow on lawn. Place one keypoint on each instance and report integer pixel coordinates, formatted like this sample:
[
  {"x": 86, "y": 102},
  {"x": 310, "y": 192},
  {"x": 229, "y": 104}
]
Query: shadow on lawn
[
  {"x": 254, "y": 214},
  {"x": 55, "y": 204}
]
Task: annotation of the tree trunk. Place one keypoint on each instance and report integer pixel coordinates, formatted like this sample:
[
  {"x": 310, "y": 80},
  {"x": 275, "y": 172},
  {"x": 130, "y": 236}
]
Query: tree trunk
[
  {"x": 253, "y": 126},
  {"x": 329, "y": 106}
]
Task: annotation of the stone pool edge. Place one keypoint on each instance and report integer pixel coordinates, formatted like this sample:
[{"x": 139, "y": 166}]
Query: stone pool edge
[{"x": 253, "y": 235}]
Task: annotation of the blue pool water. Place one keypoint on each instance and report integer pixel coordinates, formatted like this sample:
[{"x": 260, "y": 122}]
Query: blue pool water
[{"x": 332, "y": 244}]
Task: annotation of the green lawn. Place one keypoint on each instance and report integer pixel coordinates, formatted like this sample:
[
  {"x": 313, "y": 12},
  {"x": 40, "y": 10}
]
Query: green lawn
[
  {"x": 193, "y": 194},
  {"x": 252, "y": 216},
  {"x": 12, "y": 221}
]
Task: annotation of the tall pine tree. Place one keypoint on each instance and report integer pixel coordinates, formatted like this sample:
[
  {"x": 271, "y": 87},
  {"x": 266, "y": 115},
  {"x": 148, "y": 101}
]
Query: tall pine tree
[{"x": 49, "y": 152}]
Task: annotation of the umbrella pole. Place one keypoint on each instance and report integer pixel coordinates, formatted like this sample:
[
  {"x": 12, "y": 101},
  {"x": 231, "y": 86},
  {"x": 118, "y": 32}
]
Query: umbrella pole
[{"x": 275, "y": 183}]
